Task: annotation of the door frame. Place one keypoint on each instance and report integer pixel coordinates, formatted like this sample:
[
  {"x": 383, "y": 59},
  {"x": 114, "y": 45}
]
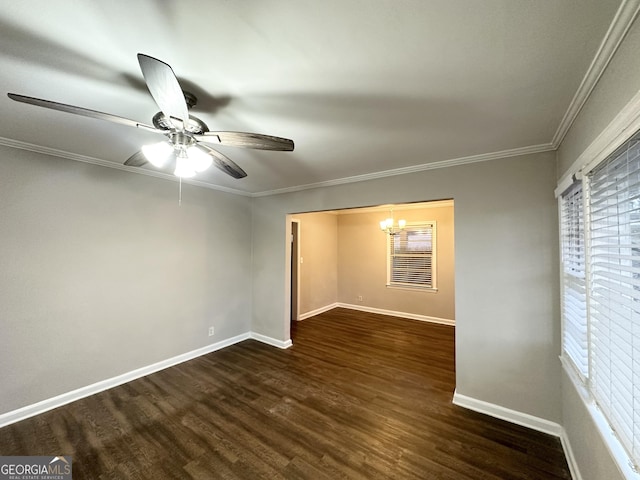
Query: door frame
[{"x": 295, "y": 267}]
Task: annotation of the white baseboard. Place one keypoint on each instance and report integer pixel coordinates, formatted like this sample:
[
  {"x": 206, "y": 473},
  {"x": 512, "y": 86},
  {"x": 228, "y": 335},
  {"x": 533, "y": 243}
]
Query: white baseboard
[
  {"x": 412, "y": 316},
  {"x": 271, "y": 341},
  {"x": 513, "y": 416},
  {"x": 317, "y": 311},
  {"x": 525, "y": 420},
  {"x": 571, "y": 459},
  {"x": 65, "y": 398}
]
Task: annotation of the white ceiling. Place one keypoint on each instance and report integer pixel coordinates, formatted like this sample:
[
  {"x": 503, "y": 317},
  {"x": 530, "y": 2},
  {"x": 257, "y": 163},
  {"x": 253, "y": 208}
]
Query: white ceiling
[{"x": 362, "y": 87}]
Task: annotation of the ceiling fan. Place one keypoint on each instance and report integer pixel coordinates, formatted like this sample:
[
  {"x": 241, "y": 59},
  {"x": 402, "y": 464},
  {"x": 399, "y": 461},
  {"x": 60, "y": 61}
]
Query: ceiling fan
[{"x": 186, "y": 148}]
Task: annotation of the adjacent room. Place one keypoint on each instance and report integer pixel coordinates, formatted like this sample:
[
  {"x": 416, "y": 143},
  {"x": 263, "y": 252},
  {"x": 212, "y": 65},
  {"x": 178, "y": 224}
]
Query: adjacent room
[
  {"x": 197, "y": 275},
  {"x": 345, "y": 259}
]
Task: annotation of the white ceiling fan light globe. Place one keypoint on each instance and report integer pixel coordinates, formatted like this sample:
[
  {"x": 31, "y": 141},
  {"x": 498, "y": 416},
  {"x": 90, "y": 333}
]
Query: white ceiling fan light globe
[
  {"x": 157, "y": 153},
  {"x": 199, "y": 159},
  {"x": 184, "y": 169}
]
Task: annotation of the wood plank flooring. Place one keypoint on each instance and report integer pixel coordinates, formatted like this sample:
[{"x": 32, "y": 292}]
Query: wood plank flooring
[{"x": 358, "y": 396}]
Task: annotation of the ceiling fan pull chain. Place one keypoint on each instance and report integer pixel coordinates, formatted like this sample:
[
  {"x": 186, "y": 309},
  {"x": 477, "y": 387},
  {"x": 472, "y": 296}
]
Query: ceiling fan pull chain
[{"x": 180, "y": 193}]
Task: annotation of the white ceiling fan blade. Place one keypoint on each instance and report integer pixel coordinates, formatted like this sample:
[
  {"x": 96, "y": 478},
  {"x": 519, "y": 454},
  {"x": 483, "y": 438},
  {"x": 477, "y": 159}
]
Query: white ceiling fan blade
[{"x": 165, "y": 89}]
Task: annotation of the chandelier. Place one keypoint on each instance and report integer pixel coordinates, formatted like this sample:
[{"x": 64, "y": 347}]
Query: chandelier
[{"x": 388, "y": 227}]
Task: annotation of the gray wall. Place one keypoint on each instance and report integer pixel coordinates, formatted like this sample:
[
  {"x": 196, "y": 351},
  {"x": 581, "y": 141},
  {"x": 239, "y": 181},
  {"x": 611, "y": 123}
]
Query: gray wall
[
  {"x": 506, "y": 270},
  {"x": 362, "y": 264},
  {"x": 319, "y": 269},
  {"x": 102, "y": 273},
  {"x": 619, "y": 83}
]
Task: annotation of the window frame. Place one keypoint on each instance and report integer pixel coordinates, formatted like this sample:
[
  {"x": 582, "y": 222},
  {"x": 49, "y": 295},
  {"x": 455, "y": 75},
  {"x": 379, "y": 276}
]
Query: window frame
[
  {"x": 413, "y": 226},
  {"x": 568, "y": 280},
  {"x": 625, "y": 452}
]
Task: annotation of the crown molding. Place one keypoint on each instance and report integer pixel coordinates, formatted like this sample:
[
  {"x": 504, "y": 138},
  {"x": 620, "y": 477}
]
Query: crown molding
[
  {"x": 339, "y": 181},
  {"x": 7, "y": 142},
  {"x": 484, "y": 157},
  {"x": 619, "y": 27},
  {"x": 619, "y": 130}
]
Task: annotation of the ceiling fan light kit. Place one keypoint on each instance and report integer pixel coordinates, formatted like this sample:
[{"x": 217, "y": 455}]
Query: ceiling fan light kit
[
  {"x": 157, "y": 153},
  {"x": 184, "y": 169},
  {"x": 185, "y": 132},
  {"x": 198, "y": 159}
]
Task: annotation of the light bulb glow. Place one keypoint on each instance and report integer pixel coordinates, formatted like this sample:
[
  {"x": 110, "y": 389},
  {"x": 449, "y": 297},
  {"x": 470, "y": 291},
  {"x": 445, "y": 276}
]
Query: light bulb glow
[
  {"x": 198, "y": 159},
  {"x": 388, "y": 226},
  {"x": 157, "y": 153},
  {"x": 184, "y": 169}
]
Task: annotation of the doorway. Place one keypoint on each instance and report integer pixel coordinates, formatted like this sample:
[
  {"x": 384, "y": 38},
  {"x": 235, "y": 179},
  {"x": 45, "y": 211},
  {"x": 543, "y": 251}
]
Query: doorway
[{"x": 356, "y": 275}]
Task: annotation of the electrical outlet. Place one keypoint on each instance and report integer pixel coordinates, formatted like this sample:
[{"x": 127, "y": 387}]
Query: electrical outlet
[
  {"x": 359, "y": 298},
  {"x": 210, "y": 331}
]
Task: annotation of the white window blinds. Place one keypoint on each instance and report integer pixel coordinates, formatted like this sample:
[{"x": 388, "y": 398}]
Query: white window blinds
[
  {"x": 574, "y": 302},
  {"x": 411, "y": 257},
  {"x": 614, "y": 304}
]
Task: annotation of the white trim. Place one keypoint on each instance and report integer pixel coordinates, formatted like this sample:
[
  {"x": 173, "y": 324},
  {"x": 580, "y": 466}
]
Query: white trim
[
  {"x": 317, "y": 311},
  {"x": 410, "y": 288},
  {"x": 82, "y": 392},
  {"x": 613, "y": 38},
  {"x": 30, "y": 147},
  {"x": 571, "y": 459},
  {"x": 614, "y": 447},
  {"x": 483, "y": 157},
  {"x": 296, "y": 315},
  {"x": 619, "y": 130},
  {"x": 271, "y": 341},
  {"x": 503, "y": 413},
  {"x": 392, "y": 313},
  {"x": 68, "y": 397},
  {"x": 434, "y": 256},
  {"x": 564, "y": 185}
]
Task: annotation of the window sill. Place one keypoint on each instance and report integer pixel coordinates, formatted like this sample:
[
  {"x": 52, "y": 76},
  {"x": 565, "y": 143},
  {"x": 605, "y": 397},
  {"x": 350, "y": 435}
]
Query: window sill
[
  {"x": 616, "y": 450},
  {"x": 413, "y": 289}
]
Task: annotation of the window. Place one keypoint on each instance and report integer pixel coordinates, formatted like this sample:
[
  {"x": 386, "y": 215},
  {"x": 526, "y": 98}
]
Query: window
[
  {"x": 574, "y": 305},
  {"x": 614, "y": 305},
  {"x": 601, "y": 308},
  {"x": 411, "y": 259}
]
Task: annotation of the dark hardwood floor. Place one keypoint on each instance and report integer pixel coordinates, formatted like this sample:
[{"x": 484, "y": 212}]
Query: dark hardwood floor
[{"x": 358, "y": 396}]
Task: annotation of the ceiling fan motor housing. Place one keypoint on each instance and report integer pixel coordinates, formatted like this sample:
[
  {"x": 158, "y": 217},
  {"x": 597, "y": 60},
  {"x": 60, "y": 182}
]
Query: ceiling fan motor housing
[{"x": 194, "y": 125}]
